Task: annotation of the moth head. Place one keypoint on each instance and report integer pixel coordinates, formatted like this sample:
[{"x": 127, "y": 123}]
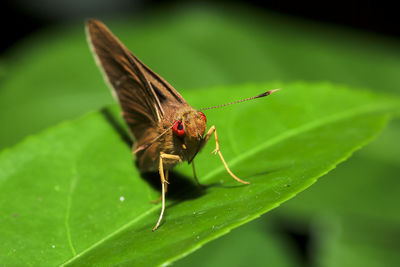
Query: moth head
[{"x": 190, "y": 125}]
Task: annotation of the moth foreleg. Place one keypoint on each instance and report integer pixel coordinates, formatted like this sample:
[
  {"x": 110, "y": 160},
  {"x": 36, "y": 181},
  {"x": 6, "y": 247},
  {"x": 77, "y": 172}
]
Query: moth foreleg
[
  {"x": 164, "y": 183},
  {"x": 211, "y": 131}
]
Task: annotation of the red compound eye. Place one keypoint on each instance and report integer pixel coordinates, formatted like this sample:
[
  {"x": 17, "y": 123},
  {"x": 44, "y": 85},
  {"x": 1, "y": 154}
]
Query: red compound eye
[
  {"x": 178, "y": 129},
  {"x": 203, "y": 116}
]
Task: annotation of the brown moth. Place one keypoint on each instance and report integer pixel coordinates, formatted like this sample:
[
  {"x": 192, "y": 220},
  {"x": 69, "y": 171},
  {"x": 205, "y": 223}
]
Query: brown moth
[{"x": 166, "y": 130}]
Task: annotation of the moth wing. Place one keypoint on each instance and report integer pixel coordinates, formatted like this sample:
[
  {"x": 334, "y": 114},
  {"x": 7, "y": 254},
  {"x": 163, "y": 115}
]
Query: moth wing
[
  {"x": 169, "y": 98},
  {"x": 141, "y": 93}
]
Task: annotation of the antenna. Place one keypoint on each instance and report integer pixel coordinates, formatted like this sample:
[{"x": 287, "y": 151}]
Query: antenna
[
  {"x": 242, "y": 100},
  {"x": 143, "y": 147}
]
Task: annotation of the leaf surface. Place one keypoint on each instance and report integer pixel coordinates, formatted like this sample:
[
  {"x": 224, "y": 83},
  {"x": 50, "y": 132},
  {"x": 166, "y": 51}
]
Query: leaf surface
[{"x": 74, "y": 194}]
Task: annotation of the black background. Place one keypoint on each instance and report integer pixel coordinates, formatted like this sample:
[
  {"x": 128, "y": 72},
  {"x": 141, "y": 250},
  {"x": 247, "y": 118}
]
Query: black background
[{"x": 20, "y": 18}]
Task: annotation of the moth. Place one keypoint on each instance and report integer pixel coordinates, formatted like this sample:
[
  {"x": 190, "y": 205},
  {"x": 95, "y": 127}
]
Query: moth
[{"x": 165, "y": 128}]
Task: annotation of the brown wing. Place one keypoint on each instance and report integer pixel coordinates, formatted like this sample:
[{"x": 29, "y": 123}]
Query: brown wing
[{"x": 143, "y": 94}]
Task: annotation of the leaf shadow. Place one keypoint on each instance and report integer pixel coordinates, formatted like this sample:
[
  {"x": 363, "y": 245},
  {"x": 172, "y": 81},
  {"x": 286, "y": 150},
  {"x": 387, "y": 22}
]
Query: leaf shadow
[
  {"x": 116, "y": 124},
  {"x": 180, "y": 187},
  {"x": 266, "y": 172}
]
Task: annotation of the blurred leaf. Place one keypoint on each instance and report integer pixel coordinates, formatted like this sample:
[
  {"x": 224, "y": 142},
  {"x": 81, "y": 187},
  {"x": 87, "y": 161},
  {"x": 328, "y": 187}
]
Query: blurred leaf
[
  {"x": 352, "y": 242},
  {"x": 385, "y": 149},
  {"x": 73, "y": 194},
  {"x": 53, "y": 77}
]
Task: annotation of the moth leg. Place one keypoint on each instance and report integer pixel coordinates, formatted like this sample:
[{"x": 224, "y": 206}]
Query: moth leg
[
  {"x": 211, "y": 131},
  {"x": 166, "y": 187},
  {"x": 164, "y": 182},
  {"x": 195, "y": 176}
]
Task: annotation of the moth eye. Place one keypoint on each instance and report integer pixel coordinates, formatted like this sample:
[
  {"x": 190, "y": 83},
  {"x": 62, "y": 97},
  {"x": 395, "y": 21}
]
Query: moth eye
[
  {"x": 203, "y": 116},
  {"x": 178, "y": 129}
]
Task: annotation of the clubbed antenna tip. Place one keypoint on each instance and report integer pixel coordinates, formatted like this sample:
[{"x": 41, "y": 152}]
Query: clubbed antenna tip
[
  {"x": 250, "y": 98},
  {"x": 268, "y": 93}
]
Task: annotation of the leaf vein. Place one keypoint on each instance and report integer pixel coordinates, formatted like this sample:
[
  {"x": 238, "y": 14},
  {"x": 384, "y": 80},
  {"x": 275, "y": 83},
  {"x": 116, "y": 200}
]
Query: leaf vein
[
  {"x": 120, "y": 229},
  {"x": 294, "y": 131},
  {"x": 74, "y": 182}
]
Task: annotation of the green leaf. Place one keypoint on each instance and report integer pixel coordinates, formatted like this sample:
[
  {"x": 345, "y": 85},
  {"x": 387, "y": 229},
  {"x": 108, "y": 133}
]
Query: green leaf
[
  {"x": 52, "y": 76},
  {"x": 359, "y": 226},
  {"x": 355, "y": 242},
  {"x": 256, "y": 243},
  {"x": 74, "y": 194}
]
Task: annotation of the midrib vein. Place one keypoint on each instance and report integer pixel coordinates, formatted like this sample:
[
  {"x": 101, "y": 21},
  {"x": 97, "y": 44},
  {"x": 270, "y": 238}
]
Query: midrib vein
[
  {"x": 270, "y": 142},
  {"x": 123, "y": 227},
  {"x": 295, "y": 131},
  {"x": 68, "y": 210}
]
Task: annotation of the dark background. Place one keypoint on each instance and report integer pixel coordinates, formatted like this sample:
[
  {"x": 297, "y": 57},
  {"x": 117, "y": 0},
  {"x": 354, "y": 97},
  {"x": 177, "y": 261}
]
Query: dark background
[{"x": 20, "y": 18}]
